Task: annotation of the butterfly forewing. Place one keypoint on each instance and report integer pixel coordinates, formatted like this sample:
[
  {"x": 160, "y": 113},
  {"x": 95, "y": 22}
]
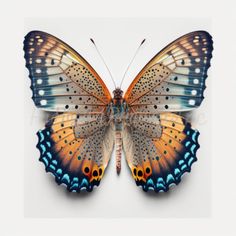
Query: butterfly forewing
[
  {"x": 61, "y": 80},
  {"x": 174, "y": 80}
]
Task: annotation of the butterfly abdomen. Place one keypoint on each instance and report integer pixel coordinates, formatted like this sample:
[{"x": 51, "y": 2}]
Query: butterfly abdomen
[
  {"x": 118, "y": 143},
  {"x": 118, "y": 138}
]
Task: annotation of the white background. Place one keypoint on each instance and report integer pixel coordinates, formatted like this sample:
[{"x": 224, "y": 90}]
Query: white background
[
  {"x": 222, "y": 219},
  {"x": 117, "y": 196}
]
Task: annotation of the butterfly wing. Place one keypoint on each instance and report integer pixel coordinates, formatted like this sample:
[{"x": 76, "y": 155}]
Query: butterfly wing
[
  {"x": 76, "y": 150},
  {"x": 160, "y": 146},
  {"x": 159, "y": 157},
  {"x": 72, "y": 145},
  {"x": 61, "y": 79},
  {"x": 174, "y": 79}
]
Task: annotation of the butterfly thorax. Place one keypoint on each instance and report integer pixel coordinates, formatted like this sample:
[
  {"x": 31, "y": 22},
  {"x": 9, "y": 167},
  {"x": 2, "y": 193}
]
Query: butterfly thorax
[{"x": 118, "y": 108}]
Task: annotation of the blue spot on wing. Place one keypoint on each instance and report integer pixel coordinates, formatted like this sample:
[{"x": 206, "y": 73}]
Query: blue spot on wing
[
  {"x": 177, "y": 171},
  {"x": 186, "y": 156},
  {"x": 194, "y": 136},
  {"x": 49, "y": 155},
  {"x": 170, "y": 179},
  {"x": 43, "y": 148},
  {"x": 41, "y": 136},
  {"x": 48, "y": 144},
  {"x": 54, "y": 162},
  {"x": 184, "y": 167},
  {"x": 150, "y": 182},
  {"x": 187, "y": 144},
  {"x": 65, "y": 179},
  {"x": 191, "y": 160},
  {"x": 45, "y": 161},
  {"x": 181, "y": 162},
  {"x": 52, "y": 167},
  {"x": 192, "y": 148}
]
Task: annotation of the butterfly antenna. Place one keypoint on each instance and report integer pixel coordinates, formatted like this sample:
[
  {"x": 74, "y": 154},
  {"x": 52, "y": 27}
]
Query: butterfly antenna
[
  {"x": 136, "y": 52},
  {"x": 103, "y": 61}
]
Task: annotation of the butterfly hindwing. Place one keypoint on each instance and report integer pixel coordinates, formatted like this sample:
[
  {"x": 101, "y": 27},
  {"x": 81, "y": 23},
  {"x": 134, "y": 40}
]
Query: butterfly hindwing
[
  {"x": 174, "y": 79},
  {"x": 158, "y": 162},
  {"x": 76, "y": 159}
]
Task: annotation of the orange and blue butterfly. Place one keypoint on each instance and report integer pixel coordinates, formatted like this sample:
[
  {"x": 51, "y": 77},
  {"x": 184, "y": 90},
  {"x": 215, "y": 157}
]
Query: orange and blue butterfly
[{"x": 86, "y": 121}]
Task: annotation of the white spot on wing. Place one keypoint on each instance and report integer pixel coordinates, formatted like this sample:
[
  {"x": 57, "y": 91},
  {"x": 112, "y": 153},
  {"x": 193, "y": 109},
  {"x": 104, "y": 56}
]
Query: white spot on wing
[
  {"x": 43, "y": 102},
  {"x": 41, "y": 92},
  {"x": 191, "y": 102},
  {"x": 38, "y": 60},
  {"x": 39, "y": 81}
]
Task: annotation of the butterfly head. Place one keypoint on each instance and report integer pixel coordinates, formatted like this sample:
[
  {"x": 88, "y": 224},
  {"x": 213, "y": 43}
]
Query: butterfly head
[
  {"x": 117, "y": 99},
  {"x": 118, "y": 93}
]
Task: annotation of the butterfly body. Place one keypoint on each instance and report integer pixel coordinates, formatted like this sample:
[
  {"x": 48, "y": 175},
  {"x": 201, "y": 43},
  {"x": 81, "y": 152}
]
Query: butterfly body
[
  {"x": 77, "y": 141},
  {"x": 119, "y": 110}
]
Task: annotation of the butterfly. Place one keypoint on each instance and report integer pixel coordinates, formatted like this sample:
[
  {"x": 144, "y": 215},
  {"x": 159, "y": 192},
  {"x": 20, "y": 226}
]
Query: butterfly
[{"x": 87, "y": 122}]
